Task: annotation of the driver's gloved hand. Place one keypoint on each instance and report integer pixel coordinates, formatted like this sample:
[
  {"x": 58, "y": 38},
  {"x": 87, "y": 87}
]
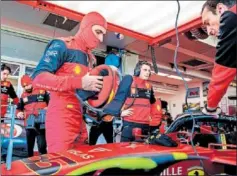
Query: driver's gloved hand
[
  {"x": 162, "y": 139},
  {"x": 211, "y": 111}
]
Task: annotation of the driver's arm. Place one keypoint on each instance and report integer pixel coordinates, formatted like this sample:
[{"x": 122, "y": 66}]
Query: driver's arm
[{"x": 44, "y": 76}]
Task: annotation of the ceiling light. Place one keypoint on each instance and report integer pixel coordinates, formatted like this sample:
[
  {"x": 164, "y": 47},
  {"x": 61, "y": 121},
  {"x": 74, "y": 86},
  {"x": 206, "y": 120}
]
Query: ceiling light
[
  {"x": 162, "y": 74},
  {"x": 188, "y": 79},
  {"x": 179, "y": 78},
  {"x": 166, "y": 91}
]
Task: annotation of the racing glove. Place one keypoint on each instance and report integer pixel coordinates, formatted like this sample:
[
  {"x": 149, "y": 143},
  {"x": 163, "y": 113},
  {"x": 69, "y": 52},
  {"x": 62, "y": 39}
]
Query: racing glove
[
  {"x": 211, "y": 111},
  {"x": 161, "y": 139}
]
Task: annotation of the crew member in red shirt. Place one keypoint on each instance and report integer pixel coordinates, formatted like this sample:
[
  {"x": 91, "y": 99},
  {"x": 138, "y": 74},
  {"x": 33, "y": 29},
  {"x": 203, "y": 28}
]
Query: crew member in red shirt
[
  {"x": 141, "y": 107},
  {"x": 7, "y": 90},
  {"x": 32, "y": 101}
]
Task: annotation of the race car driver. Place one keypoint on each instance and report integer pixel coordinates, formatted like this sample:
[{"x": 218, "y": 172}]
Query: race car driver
[
  {"x": 63, "y": 69},
  {"x": 31, "y": 102},
  {"x": 141, "y": 108},
  {"x": 222, "y": 23},
  {"x": 7, "y": 90}
]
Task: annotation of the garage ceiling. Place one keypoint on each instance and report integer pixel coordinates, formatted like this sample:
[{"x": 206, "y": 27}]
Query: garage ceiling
[
  {"x": 145, "y": 17},
  {"x": 28, "y": 19},
  {"x": 188, "y": 50}
]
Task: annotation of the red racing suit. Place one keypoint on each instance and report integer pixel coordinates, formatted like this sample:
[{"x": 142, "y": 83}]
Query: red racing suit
[
  {"x": 146, "y": 109},
  {"x": 60, "y": 70},
  {"x": 31, "y": 103},
  {"x": 7, "y": 91},
  {"x": 224, "y": 70}
]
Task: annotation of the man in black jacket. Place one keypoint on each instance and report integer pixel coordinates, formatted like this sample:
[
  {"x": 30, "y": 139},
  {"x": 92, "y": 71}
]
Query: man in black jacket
[{"x": 221, "y": 22}]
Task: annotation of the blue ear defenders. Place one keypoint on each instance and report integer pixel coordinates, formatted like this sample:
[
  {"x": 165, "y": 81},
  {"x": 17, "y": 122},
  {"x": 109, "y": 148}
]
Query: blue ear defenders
[{"x": 137, "y": 69}]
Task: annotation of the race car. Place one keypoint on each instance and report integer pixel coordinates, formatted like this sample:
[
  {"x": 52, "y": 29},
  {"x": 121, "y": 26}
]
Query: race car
[
  {"x": 19, "y": 135},
  {"x": 195, "y": 154},
  {"x": 19, "y": 140}
]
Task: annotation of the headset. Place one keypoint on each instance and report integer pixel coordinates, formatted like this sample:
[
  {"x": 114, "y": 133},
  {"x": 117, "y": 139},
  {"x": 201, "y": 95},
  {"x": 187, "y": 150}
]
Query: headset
[
  {"x": 5, "y": 67},
  {"x": 137, "y": 69}
]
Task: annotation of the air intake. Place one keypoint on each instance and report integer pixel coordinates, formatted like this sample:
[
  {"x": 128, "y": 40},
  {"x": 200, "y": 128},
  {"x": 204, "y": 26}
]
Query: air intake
[
  {"x": 60, "y": 22},
  {"x": 194, "y": 62},
  {"x": 197, "y": 33},
  {"x": 206, "y": 70}
]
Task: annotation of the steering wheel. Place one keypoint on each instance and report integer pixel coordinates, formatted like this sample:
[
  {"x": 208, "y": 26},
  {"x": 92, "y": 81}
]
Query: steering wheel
[
  {"x": 108, "y": 83},
  {"x": 182, "y": 136},
  {"x": 107, "y": 93}
]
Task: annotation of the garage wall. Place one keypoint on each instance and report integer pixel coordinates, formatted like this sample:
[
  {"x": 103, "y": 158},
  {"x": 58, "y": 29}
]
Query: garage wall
[
  {"x": 176, "y": 101},
  {"x": 24, "y": 50},
  {"x": 17, "y": 45},
  {"x": 129, "y": 63},
  {"x": 166, "y": 97},
  {"x": 21, "y": 48}
]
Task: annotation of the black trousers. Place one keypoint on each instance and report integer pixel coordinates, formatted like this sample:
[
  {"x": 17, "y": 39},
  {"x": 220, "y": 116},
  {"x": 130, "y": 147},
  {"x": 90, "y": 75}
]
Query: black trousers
[
  {"x": 31, "y": 134},
  {"x": 127, "y": 130},
  {"x": 105, "y": 128}
]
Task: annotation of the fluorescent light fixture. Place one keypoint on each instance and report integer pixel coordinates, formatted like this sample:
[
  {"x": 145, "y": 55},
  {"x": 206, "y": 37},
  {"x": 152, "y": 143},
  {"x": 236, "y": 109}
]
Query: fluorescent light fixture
[
  {"x": 166, "y": 91},
  {"x": 211, "y": 40},
  {"x": 151, "y": 18},
  {"x": 178, "y": 77},
  {"x": 162, "y": 74},
  {"x": 187, "y": 79},
  {"x": 171, "y": 76}
]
